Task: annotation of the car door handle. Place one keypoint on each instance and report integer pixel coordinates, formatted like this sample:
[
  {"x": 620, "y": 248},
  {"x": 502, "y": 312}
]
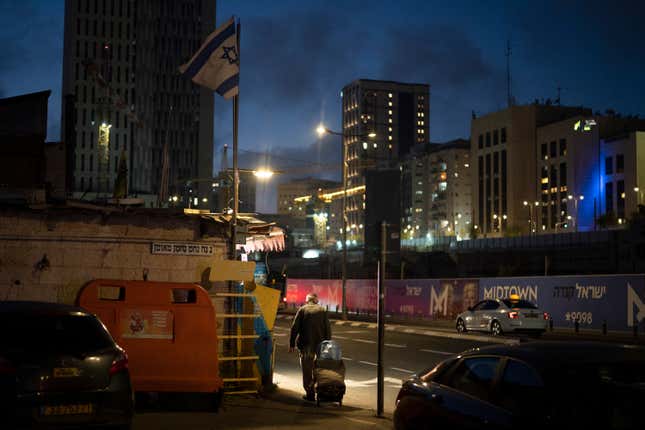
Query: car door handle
[{"x": 436, "y": 398}]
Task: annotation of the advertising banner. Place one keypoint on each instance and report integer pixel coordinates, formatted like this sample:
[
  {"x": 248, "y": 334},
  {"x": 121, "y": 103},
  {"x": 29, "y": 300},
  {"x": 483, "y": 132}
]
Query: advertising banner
[
  {"x": 329, "y": 291},
  {"x": 409, "y": 297},
  {"x": 361, "y": 295},
  {"x": 617, "y": 300},
  {"x": 146, "y": 324}
]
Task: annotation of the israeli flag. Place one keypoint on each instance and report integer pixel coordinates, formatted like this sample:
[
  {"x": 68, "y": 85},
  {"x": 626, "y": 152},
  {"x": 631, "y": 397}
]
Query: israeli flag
[{"x": 216, "y": 65}]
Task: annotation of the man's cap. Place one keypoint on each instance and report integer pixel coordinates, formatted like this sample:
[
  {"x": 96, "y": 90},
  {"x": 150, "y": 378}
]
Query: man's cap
[{"x": 312, "y": 298}]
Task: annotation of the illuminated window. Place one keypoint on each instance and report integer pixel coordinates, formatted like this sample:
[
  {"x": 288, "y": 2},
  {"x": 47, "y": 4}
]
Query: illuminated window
[
  {"x": 389, "y": 112},
  {"x": 389, "y": 138},
  {"x": 389, "y": 129},
  {"x": 389, "y": 146},
  {"x": 364, "y": 145},
  {"x": 389, "y": 95},
  {"x": 389, "y": 103},
  {"x": 390, "y": 120}
]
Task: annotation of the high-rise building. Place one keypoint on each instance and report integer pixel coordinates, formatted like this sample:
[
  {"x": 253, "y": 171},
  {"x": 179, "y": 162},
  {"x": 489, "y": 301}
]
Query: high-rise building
[
  {"x": 436, "y": 194},
  {"x": 399, "y": 116},
  {"x": 299, "y": 189},
  {"x": 120, "y": 64},
  {"x": 587, "y": 166},
  {"x": 503, "y": 153},
  {"x": 450, "y": 192}
]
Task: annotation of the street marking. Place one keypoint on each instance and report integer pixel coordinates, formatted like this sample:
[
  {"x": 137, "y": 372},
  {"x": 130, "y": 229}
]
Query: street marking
[
  {"x": 340, "y": 337},
  {"x": 368, "y": 363},
  {"x": 391, "y": 382},
  {"x": 372, "y": 325},
  {"x": 279, "y": 334},
  {"x": 398, "y": 369},
  {"x": 354, "y": 332},
  {"x": 348, "y": 359},
  {"x": 364, "y": 341},
  {"x": 409, "y": 330},
  {"x": 356, "y": 420},
  {"x": 341, "y": 322},
  {"x": 394, "y": 345},
  {"x": 390, "y": 328},
  {"x": 432, "y": 351},
  {"x": 355, "y": 324}
]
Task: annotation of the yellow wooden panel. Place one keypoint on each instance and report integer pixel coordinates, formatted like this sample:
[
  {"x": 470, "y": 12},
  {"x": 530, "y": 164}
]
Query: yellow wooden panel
[{"x": 232, "y": 270}]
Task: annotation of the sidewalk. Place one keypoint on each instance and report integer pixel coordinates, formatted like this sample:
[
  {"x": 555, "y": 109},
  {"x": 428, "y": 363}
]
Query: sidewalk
[
  {"x": 282, "y": 409},
  {"x": 446, "y": 329}
]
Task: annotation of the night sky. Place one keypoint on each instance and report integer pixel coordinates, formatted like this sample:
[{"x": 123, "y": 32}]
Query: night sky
[{"x": 297, "y": 55}]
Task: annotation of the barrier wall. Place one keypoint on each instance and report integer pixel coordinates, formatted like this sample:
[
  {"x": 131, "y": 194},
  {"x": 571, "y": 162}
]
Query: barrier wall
[
  {"x": 618, "y": 300},
  {"x": 591, "y": 300},
  {"x": 423, "y": 298}
]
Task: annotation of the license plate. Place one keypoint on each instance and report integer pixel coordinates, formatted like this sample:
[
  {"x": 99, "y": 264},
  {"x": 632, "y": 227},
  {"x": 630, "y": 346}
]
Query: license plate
[
  {"x": 66, "y": 410},
  {"x": 531, "y": 315},
  {"x": 66, "y": 372}
]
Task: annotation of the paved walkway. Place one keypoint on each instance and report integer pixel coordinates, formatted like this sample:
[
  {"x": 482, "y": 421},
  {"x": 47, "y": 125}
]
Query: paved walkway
[{"x": 282, "y": 409}]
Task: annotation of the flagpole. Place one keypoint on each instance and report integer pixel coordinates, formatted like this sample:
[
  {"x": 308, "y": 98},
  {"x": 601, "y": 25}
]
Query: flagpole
[{"x": 236, "y": 173}]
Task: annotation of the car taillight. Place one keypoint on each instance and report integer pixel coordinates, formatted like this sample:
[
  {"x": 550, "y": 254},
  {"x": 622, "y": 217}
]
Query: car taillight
[
  {"x": 119, "y": 363},
  {"x": 6, "y": 368},
  {"x": 514, "y": 315},
  {"x": 546, "y": 316}
]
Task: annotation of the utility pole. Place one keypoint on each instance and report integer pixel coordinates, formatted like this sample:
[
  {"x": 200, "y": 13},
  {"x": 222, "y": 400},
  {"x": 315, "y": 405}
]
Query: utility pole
[
  {"x": 381, "y": 320},
  {"x": 345, "y": 223}
]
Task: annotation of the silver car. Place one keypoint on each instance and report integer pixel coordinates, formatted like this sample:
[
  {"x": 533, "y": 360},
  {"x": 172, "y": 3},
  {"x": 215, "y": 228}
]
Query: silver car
[{"x": 503, "y": 316}]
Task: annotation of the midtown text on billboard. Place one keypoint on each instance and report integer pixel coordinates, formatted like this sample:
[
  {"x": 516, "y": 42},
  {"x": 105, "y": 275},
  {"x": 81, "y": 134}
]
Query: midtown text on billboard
[{"x": 526, "y": 292}]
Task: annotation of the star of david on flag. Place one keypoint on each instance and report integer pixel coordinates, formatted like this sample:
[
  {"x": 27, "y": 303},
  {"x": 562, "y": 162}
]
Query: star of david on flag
[{"x": 216, "y": 65}]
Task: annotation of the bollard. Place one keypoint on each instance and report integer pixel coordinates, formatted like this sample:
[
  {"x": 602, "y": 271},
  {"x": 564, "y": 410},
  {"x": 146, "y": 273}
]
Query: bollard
[
  {"x": 551, "y": 324},
  {"x": 604, "y": 327},
  {"x": 336, "y": 308},
  {"x": 576, "y": 325},
  {"x": 635, "y": 330}
]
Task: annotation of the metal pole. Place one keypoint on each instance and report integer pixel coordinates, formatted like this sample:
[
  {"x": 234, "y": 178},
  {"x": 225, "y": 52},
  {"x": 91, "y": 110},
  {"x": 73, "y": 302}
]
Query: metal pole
[
  {"x": 381, "y": 320},
  {"x": 344, "y": 265},
  {"x": 236, "y": 173}
]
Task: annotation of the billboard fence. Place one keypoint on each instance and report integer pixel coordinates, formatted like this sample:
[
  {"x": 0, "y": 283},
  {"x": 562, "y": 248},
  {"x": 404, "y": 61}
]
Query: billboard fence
[{"x": 615, "y": 300}]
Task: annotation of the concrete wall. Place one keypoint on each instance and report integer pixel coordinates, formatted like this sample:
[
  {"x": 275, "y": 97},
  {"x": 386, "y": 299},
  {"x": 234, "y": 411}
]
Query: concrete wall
[{"x": 49, "y": 257}]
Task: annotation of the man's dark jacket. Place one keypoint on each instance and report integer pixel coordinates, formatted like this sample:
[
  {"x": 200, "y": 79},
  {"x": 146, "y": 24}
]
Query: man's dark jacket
[{"x": 310, "y": 327}]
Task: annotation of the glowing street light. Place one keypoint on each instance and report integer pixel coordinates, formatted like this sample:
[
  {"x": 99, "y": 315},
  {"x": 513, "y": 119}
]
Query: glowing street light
[{"x": 263, "y": 173}]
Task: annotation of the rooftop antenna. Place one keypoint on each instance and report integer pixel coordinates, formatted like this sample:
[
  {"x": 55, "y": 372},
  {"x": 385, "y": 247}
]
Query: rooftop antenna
[
  {"x": 509, "y": 97},
  {"x": 557, "y": 100}
]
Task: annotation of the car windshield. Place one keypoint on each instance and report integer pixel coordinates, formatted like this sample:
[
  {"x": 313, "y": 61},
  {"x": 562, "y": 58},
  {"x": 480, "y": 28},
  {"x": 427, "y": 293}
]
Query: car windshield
[
  {"x": 66, "y": 334},
  {"x": 519, "y": 304}
]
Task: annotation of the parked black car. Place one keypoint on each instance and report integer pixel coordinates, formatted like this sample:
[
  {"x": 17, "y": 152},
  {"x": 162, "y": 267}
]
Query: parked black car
[
  {"x": 530, "y": 385},
  {"x": 59, "y": 366}
]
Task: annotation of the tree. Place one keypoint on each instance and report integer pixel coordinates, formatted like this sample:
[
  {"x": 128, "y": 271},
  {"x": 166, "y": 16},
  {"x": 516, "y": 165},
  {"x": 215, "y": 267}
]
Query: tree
[
  {"x": 512, "y": 230},
  {"x": 607, "y": 220},
  {"x": 474, "y": 231}
]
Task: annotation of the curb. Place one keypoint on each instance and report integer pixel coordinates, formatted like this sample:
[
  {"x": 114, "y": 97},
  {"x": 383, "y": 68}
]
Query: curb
[{"x": 421, "y": 331}]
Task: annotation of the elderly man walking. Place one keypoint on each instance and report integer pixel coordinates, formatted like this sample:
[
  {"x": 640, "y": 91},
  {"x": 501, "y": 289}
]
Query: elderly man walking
[{"x": 310, "y": 327}]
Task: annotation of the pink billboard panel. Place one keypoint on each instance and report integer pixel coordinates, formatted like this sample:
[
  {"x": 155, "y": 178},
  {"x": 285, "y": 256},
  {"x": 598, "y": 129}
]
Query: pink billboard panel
[{"x": 329, "y": 291}]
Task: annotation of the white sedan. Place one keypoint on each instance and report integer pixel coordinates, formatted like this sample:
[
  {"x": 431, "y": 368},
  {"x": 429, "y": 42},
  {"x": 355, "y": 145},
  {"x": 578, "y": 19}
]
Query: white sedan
[{"x": 504, "y": 316}]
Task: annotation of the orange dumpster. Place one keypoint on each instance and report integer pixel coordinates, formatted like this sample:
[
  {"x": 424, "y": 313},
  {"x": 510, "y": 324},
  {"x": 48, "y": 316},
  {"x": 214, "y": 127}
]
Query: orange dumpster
[{"x": 167, "y": 329}]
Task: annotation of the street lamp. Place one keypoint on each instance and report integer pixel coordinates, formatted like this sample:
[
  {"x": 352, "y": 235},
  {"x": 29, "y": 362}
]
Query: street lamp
[
  {"x": 639, "y": 195},
  {"x": 532, "y": 219},
  {"x": 322, "y": 130},
  {"x": 575, "y": 199}
]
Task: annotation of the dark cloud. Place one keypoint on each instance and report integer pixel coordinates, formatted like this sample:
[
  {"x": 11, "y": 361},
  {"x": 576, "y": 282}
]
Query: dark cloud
[{"x": 442, "y": 56}]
